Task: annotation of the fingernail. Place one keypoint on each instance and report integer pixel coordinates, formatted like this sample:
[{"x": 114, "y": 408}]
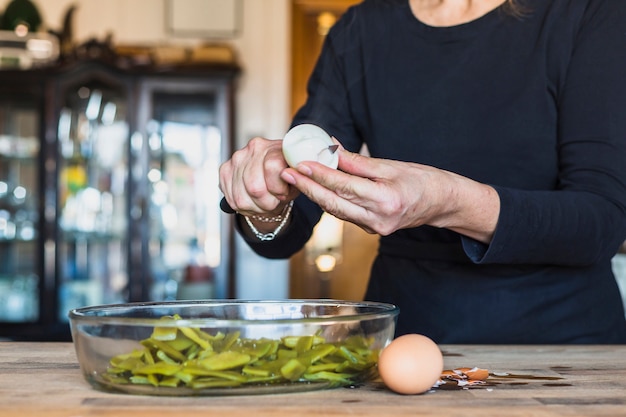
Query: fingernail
[
  {"x": 304, "y": 169},
  {"x": 288, "y": 178}
]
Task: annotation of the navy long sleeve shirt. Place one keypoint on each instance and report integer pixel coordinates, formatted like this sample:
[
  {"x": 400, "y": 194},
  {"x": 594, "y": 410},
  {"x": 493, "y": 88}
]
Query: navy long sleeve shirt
[{"x": 534, "y": 105}]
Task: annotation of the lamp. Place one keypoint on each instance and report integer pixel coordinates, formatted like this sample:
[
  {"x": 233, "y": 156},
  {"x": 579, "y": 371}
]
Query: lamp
[
  {"x": 22, "y": 43},
  {"x": 324, "y": 248},
  {"x": 22, "y": 16}
]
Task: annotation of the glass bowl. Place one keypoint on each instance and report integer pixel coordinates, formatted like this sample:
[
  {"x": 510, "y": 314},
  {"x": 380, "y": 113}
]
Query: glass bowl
[{"x": 230, "y": 347}]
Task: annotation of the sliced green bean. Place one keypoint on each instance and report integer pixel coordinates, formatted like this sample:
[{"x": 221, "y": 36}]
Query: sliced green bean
[
  {"x": 317, "y": 353},
  {"x": 287, "y": 354},
  {"x": 228, "y": 341},
  {"x": 225, "y": 360},
  {"x": 126, "y": 364},
  {"x": 165, "y": 333},
  {"x": 166, "y": 349},
  {"x": 161, "y": 368},
  {"x": 292, "y": 370},
  {"x": 169, "y": 382},
  {"x": 195, "y": 336},
  {"x": 329, "y": 376},
  {"x": 181, "y": 342},
  {"x": 313, "y": 369}
]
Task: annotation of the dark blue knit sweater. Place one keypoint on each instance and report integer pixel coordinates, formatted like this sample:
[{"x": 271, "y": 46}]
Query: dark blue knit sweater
[{"x": 533, "y": 105}]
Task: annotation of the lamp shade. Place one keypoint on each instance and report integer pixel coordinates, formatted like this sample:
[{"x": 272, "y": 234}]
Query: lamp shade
[{"x": 21, "y": 12}]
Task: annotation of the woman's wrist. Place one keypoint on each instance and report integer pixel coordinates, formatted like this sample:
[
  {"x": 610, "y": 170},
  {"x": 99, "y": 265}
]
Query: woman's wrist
[{"x": 471, "y": 208}]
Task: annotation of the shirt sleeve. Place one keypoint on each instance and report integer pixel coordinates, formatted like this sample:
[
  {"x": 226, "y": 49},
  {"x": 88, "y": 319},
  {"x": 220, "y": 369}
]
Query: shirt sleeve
[
  {"x": 584, "y": 220},
  {"x": 304, "y": 217}
]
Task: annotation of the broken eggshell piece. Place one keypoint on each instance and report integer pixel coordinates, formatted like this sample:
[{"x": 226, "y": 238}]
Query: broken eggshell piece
[{"x": 308, "y": 142}]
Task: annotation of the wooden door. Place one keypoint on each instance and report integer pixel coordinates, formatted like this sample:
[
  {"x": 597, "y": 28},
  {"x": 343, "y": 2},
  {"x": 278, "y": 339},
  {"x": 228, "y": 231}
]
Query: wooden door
[{"x": 310, "y": 20}]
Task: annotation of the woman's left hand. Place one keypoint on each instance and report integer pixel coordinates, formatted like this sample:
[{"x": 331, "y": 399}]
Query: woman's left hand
[{"x": 382, "y": 196}]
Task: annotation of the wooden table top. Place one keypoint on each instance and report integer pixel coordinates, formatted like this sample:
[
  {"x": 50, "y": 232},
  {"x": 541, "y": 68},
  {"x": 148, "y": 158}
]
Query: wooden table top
[{"x": 44, "y": 379}]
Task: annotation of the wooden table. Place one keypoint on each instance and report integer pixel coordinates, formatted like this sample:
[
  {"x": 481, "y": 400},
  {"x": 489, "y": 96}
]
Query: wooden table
[{"x": 44, "y": 380}]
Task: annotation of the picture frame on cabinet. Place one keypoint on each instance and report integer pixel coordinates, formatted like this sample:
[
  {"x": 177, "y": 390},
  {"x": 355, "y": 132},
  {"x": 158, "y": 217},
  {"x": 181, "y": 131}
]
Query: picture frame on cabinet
[{"x": 209, "y": 19}]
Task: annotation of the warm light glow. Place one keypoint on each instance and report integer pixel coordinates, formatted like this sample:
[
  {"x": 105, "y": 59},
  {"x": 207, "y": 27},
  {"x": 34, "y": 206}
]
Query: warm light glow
[
  {"x": 325, "y": 262},
  {"x": 328, "y": 234},
  {"x": 21, "y": 30},
  {"x": 325, "y": 21},
  {"x": 324, "y": 247}
]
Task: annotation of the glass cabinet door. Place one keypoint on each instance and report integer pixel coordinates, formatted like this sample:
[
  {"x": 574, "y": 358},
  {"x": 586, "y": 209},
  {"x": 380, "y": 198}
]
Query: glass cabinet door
[
  {"x": 19, "y": 216},
  {"x": 92, "y": 193},
  {"x": 187, "y": 138}
]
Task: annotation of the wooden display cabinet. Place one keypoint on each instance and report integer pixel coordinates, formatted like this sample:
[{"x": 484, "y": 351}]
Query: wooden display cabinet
[{"x": 109, "y": 188}]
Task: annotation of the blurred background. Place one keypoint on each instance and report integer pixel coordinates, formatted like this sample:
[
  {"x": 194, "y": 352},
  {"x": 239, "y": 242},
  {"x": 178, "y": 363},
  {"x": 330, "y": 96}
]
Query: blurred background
[{"x": 114, "y": 118}]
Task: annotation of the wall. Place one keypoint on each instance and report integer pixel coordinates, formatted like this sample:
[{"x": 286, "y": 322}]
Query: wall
[{"x": 262, "y": 97}]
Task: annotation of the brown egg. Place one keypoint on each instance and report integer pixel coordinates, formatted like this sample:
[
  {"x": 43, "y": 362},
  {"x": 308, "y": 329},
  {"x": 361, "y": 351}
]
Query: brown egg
[{"x": 410, "y": 364}]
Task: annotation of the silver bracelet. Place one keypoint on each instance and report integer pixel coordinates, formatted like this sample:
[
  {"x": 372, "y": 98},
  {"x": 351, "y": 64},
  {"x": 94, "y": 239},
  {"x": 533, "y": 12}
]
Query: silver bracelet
[{"x": 283, "y": 217}]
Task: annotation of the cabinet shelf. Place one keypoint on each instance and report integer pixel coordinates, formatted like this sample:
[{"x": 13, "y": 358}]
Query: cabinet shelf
[
  {"x": 78, "y": 236},
  {"x": 10, "y": 241},
  {"x": 17, "y": 157}
]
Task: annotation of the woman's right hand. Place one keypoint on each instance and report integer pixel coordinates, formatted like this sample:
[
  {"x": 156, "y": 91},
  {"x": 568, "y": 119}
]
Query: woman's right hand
[{"x": 250, "y": 180}]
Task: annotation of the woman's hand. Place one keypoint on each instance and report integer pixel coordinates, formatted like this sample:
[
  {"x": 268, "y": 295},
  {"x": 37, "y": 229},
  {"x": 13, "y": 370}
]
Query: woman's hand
[
  {"x": 382, "y": 196},
  {"x": 251, "y": 180}
]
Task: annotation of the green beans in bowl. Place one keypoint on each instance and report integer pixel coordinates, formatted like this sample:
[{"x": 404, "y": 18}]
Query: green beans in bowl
[{"x": 230, "y": 347}]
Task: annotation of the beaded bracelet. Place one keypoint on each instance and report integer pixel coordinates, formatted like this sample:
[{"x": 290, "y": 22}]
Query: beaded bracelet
[{"x": 282, "y": 218}]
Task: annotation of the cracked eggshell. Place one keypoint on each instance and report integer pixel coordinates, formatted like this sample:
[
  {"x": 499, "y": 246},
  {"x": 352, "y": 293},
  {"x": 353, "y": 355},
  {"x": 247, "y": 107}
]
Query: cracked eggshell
[{"x": 308, "y": 142}]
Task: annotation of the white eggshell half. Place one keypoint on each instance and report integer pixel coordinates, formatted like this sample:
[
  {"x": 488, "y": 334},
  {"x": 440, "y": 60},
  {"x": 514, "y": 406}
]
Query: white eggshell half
[{"x": 307, "y": 142}]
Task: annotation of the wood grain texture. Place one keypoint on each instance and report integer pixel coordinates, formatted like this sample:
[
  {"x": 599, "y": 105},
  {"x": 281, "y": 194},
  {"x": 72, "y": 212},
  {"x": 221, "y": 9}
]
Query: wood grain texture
[{"x": 44, "y": 379}]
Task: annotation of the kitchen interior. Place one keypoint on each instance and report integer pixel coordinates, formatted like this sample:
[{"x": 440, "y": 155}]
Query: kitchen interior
[{"x": 114, "y": 118}]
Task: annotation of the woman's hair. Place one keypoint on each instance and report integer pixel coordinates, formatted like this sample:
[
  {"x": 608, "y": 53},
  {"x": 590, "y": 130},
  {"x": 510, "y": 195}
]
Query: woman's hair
[{"x": 515, "y": 8}]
